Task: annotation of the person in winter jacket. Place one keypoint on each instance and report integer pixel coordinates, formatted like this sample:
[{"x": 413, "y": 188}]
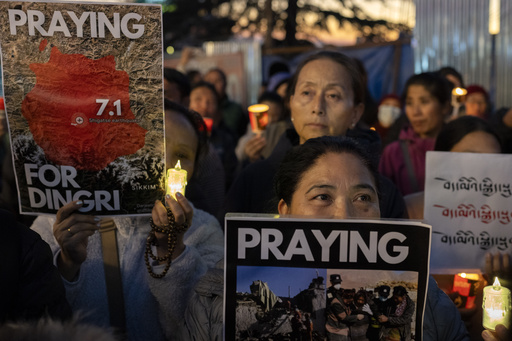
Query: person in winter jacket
[
  {"x": 326, "y": 96},
  {"x": 427, "y": 105},
  {"x": 397, "y": 316},
  {"x": 154, "y": 307}
]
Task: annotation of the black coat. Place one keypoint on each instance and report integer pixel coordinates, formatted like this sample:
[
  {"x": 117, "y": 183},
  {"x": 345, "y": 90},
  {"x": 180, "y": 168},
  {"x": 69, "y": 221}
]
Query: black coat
[
  {"x": 30, "y": 286},
  {"x": 253, "y": 191}
]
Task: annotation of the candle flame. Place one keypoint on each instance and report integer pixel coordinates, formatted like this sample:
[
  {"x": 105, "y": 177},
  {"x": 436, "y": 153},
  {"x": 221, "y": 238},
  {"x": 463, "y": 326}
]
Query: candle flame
[
  {"x": 178, "y": 165},
  {"x": 496, "y": 285},
  {"x": 459, "y": 91},
  {"x": 256, "y": 108}
]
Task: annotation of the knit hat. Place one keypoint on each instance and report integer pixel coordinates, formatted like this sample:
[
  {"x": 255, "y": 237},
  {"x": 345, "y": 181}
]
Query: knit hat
[
  {"x": 393, "y": 96},
  {"x": 474, "y": 89}
]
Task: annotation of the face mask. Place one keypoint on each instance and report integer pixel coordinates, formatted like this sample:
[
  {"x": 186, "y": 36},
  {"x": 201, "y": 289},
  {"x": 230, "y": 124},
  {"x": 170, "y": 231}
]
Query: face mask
[
  {"x": 337, "y": 286},
  {"x": 387, "y": 115}
]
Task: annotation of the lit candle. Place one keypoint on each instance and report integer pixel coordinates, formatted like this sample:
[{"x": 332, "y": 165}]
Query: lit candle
[
  {"x": 209, "y": 124},
  {"x": 458, "y": 95},
  {"x": 496, "y": 305},
  {"x": 258, "y": 115},
  {"x": 176, "y": 180},
  {"x": 459, "y": 92},
  {"x": 466, "y": 285}
]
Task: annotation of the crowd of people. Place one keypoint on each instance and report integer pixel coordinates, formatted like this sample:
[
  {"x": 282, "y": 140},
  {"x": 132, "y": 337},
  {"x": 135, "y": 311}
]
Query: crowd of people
[
  {"x": 317, "y": 157},
  {"x": 368, "y": 315}
]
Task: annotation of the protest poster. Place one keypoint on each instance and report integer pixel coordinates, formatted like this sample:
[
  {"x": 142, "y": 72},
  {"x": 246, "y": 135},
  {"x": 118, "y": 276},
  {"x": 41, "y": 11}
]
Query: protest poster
[
  {"x": 277, "y": 267},
  {"x": 468, "y": 203},
  {"x": 83, "y": 94}
]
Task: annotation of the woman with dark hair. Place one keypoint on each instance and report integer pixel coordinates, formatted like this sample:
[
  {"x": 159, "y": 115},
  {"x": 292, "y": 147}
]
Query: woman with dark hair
[
  {"x": 205, "y": 100},
  {"x": 154, "y": 306},
  {"x": 452, "y": 75},
  {"x": 232, "y": 113},
  {"x": 339, "y": 181},
  {"x": 466, "y": 134},
  {"x": 427, "y": 104},
  {"x": 326, "y": 96},
  {"x": 330, "y": 152}
]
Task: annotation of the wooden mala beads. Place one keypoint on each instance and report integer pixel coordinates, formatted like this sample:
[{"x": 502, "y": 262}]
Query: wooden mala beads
[{"x": 171, "y": 229}]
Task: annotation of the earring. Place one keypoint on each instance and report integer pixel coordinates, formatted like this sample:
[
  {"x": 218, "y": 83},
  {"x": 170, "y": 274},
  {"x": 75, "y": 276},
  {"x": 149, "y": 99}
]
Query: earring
[{"x": 292, "y": 119}]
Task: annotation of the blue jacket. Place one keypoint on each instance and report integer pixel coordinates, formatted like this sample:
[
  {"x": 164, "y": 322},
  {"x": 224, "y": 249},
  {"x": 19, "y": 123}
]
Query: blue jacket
[{"x": 442, "y": 320}]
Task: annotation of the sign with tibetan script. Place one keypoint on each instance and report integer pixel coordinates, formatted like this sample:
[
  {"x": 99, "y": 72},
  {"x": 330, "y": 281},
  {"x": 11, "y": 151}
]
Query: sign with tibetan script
[
  {"x": 468, "y": 202},
  {"x": 83, "y": 95},
  {"x": 282, "y": 272}
]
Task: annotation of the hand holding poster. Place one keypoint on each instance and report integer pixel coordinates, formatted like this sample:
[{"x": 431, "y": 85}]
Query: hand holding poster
[
  {"x": 468, "y": 200},
  {"x": 83, "y": 95},
  {"x": 277, "y": 270}
]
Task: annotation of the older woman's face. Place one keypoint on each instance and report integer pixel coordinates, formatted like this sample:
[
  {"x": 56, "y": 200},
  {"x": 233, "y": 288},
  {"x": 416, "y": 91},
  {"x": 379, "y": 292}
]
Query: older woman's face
[
  {"x": 323, "y": 101},
  {"x": 336, "y": 186},
  {"x": 180, "y": 142}
]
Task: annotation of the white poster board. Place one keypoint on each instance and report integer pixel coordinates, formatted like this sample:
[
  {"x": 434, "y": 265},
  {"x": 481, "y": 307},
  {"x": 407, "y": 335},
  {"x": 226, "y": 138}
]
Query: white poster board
[{"x": 468, "y": 202}]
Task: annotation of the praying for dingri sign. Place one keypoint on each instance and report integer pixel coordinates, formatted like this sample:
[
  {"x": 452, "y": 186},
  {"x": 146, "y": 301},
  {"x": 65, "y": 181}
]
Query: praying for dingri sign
[{"x": 83, "y": 93}]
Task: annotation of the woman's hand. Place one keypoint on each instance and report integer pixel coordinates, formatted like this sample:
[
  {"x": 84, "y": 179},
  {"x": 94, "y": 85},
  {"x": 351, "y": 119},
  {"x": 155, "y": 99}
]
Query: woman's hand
[
  {"x": 72, "y": 231},
  {"x": 183, "y": 214},
  {"x": 501, "y": 333},
  {"x": 254, "y": 147}
]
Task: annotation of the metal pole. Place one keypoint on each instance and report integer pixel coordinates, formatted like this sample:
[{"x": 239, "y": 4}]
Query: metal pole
[{"x": 492, "y": 80}]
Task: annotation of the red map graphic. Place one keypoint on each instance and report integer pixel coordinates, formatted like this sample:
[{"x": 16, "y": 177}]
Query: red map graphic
[{"x": 62, "y": 102}]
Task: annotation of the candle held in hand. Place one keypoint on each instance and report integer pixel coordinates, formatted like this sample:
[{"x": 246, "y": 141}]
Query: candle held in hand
[
  {"x": 176, "y": 180},
  {"x": 496, "y": 305},
  {"x": 258, "y": 116}
]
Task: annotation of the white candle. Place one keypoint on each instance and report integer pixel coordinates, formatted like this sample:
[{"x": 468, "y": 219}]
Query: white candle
[{"x": 496, "y": 305}]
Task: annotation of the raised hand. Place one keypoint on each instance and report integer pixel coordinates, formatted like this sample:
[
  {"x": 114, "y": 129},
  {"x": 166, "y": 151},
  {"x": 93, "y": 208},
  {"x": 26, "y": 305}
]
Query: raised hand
[
  {"x": 72, "y": 231},
  {"x": 254, "y": 147},
  {"x": 183, "y": 214}
]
